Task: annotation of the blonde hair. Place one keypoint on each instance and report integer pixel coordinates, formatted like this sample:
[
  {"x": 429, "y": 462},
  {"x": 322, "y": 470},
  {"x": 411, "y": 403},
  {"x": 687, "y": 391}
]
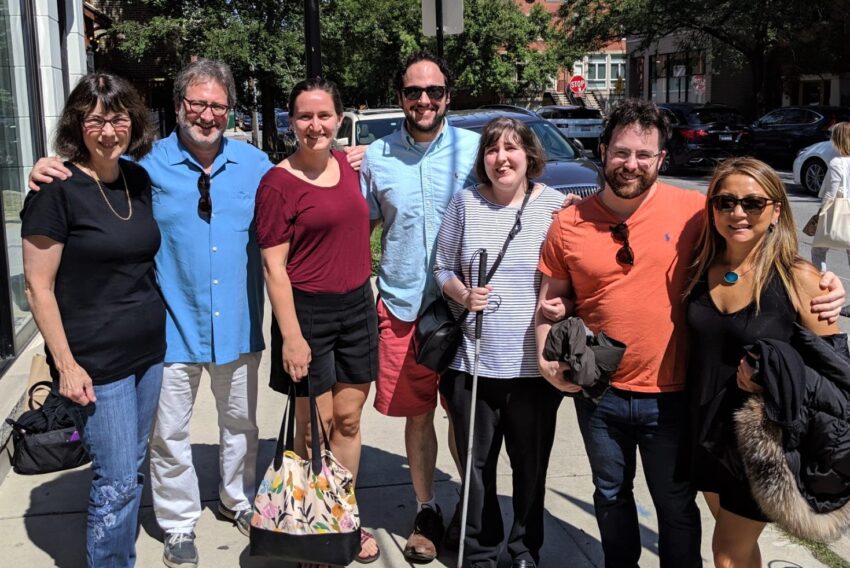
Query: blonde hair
[
  {"x": 841, "y": 138},
  {"x": 777, "y": 250}
]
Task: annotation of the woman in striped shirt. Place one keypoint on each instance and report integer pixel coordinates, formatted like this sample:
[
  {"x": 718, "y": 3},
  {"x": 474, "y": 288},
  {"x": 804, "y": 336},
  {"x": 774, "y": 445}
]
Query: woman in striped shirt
[{"x": 514, "y": 402}]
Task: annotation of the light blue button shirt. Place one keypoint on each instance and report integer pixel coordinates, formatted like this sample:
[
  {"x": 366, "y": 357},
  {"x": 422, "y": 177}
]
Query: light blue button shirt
[
  {"x": 408, "y": 188},
  {"x": 210, "y": 273}
]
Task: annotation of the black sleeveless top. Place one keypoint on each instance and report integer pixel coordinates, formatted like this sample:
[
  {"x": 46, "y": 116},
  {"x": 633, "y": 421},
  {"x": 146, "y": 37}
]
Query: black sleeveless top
[{"x": 717, "y": 343}]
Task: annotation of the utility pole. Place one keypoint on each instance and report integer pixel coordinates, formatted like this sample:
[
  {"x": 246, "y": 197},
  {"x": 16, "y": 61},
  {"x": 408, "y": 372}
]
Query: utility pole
[
  {"x": 438, "y": 5},
  {"x": 312, "y": 38}
]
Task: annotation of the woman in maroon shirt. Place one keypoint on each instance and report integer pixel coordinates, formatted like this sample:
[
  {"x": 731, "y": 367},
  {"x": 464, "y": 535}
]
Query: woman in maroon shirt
[{"x": 313, "y": 229}]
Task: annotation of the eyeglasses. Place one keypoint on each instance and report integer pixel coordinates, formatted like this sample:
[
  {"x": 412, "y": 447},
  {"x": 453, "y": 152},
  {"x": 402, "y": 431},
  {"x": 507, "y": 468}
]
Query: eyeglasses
[
  {"x": 198, "y": 107},
  {"x": 643, "y": 158},
  {"x": 434, "y": 92},
  {"x": 205, "y": 201},
  {"x": 751, "y": 204},
  {"x": 120, "y": 122},
  {"x": 621, "y": 235}
]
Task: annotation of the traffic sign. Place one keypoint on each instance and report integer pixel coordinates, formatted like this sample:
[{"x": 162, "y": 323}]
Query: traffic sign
[
  {"x": 577, "y": 85},
  {"x": 452, "y": 17},
  {"x": 698, "y": 83}
]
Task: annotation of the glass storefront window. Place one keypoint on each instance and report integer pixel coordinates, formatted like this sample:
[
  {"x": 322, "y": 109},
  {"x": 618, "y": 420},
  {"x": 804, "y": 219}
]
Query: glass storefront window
[{"x": 16, "y": 158}]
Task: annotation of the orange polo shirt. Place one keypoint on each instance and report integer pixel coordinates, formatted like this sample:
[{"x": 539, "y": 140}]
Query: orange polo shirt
[{"x": 640, "y": 305}]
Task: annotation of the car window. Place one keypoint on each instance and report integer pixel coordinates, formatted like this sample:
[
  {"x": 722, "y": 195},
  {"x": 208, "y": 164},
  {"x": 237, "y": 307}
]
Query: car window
[
  {"x": 771, "y": 118},
  {"x": 283, "y": 121},
  {"x": 582, "y": 113},
  {"x": 796, "y": 116},
  {"x": 545, "y": 113},
  {"x": 553, "y": 142},
  {"x": 345, "y": 129},
  {"x": 367, "y": 131},
  {"x": 725, "y": 116}
]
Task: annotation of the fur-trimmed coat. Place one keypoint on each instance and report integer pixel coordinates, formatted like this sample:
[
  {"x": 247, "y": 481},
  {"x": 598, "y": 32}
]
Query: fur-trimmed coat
[{"x": 794, "y": 438}]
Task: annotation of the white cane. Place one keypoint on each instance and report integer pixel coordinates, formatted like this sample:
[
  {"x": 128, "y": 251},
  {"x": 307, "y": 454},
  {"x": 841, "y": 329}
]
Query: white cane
[{"x": 479, "y": 316}]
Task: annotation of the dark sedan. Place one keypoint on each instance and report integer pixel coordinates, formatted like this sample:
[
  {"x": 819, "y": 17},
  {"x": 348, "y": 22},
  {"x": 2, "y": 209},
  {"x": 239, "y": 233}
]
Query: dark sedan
[
  {"x": 566, "y": 169},
  {"x": 783, "y": 132},
  {"x": 700, "y": 134}
]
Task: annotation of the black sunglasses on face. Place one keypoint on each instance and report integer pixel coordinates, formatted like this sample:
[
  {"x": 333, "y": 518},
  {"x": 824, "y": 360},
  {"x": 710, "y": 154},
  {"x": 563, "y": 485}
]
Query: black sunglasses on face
[
  {"x": 434, "y": 92},
  {"x": 205, "y": 200},
  {"x": 621, "y": 235},
  {"x": 751, "y": 204}
]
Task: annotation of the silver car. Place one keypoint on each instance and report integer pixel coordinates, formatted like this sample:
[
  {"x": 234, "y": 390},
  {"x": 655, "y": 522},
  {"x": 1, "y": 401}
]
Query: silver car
[{"x": 582, "y": 123}]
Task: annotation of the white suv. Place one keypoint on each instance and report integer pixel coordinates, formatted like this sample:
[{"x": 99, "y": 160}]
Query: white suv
[{"x": 362, "y": 127}]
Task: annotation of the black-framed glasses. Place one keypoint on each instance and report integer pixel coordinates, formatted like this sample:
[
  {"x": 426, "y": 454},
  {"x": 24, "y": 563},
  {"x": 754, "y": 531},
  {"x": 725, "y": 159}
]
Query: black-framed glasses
[
  {"x": 119, "y": 122},
  {"x": 621, "y": 235},
  {"x": 205, "y": 200},
  {"x": 434, "y": 92},
  {"x": 198, "y": 107},
  {"x": 751, "y": 204}
]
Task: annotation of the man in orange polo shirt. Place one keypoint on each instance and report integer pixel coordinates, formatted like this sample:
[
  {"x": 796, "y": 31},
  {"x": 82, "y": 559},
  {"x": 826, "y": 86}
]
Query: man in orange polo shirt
[{"x": 623, "y": 257}]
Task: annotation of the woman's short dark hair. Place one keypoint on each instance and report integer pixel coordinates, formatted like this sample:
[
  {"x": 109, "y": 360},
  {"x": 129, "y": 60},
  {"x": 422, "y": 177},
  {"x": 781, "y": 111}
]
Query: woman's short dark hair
[
  {"x": 418, "y": 57},
  {"x": 114, "y": 95},
  {"x": 316, "y": 84},
  {"x": 520, "y": 132},
  {"x": 637, "y": 111}
]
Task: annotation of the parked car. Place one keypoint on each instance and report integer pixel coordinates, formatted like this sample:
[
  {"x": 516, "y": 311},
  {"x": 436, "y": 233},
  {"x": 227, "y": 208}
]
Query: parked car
[
  {"x": 811, "y": 164},
  {"x": 361, "y": 127},
  {"x": 566, "y": 169},
  {"x": 582, "y": 123},
  {"x": 282, "y": 122},
  {"x": 783, "y": 132},
  {"x": 701, "y": 134}
]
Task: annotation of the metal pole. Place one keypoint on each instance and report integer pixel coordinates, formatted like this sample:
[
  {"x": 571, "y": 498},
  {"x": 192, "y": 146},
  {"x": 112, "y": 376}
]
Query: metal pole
[
  {"x": 438, "y": 4},
  {"x": 312, "y": 39}
]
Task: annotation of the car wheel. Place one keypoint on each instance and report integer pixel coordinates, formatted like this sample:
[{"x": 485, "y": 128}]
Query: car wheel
[{"x": 812, "y": 174}]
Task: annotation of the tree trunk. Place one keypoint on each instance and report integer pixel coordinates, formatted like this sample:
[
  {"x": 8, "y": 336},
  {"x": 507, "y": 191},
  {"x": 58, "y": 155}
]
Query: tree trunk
[{"x": 270, "y": 142}]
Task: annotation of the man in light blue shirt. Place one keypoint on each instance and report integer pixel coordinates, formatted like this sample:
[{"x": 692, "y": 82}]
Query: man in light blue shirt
[{"x": 408, "y": 179}]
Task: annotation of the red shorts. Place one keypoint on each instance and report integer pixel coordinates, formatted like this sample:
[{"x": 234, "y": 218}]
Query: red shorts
[{"x": 404, "y": 387}]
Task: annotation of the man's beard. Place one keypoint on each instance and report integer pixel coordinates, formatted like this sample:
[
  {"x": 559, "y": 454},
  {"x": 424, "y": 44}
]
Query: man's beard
[
  {"x": 412, "y": 125},
  {"x": 186, "y": 130},
  {"x": 645, "y": 180}
]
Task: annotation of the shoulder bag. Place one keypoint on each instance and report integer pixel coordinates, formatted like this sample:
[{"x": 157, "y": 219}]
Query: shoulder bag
[
  {"x": 438, "y": 334},
  {"x": 833, "y": 224},
  {"x": 305, "y": 509}
]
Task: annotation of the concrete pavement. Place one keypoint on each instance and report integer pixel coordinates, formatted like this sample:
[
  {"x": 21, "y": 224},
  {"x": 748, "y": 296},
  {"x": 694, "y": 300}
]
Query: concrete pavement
[{"x": 42, "y": 518}]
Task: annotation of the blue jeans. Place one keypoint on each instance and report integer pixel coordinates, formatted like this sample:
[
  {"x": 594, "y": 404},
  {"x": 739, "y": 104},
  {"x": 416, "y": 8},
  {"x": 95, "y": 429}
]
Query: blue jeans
[
  {"x": 654, "y": 424},
  {"x": 115, "y": 431}
]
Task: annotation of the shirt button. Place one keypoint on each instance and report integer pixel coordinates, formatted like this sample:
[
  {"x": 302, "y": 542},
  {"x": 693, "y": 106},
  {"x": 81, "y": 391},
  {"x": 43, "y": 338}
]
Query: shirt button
[
  {"x": 215, "y": 281},
  {"x": 217, "y": 314},
  {"x": 215, "y": 249}
]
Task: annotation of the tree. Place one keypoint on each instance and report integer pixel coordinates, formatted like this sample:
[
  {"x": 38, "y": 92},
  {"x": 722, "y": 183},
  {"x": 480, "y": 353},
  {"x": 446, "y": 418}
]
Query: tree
[
  {"x": 764, "y": 32},
  {"x": 261, "y": 40}
]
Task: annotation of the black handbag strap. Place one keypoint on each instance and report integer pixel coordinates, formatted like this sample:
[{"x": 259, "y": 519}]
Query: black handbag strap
[
  {"x": 511, "y": 234},
  {"x": 286, "y": 437}
]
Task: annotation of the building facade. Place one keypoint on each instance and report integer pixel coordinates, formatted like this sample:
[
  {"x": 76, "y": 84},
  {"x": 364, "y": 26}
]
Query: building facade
[{"x": 42, "y": 56}]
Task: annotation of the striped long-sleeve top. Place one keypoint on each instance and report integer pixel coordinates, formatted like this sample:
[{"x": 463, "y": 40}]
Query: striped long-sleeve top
[{"x": 508, "y": 348}]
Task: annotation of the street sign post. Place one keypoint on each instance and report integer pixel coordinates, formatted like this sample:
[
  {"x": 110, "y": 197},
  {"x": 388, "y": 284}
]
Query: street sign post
[
  {"x": 452, "y": 17},
  {"x": 577, "y": 85}
]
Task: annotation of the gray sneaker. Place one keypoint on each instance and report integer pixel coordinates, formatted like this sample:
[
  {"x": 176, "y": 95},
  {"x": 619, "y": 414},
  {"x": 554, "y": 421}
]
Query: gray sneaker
[
  {"x": 180, "y": 550},
  {"x": 241, "y": 518}
]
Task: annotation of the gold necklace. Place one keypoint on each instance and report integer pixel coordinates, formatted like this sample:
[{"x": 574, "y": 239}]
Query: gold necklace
[{"x": 93, "y": 174}]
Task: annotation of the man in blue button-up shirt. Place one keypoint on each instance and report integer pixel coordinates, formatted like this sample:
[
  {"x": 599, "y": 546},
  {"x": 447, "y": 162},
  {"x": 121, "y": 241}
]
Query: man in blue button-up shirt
[{"x": 408, "y": 179}]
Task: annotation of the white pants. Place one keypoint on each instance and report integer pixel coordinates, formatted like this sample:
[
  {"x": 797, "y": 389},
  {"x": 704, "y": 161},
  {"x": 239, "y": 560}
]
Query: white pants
[{"x": 176, "y": 497}]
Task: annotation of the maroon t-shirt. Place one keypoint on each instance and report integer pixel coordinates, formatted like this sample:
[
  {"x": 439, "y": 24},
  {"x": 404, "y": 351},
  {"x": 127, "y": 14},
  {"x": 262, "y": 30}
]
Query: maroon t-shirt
[{"x": 327, "y": 228}]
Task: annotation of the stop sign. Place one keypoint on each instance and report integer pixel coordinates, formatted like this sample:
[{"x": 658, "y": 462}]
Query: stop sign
[{"x": 577, "y": 84}]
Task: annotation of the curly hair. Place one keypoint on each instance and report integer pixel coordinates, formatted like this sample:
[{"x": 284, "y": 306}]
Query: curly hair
[
  {"x": 114, "y": 94},
  {"x": 637, "y": 111},
  {"x": 418, "y": 57}
]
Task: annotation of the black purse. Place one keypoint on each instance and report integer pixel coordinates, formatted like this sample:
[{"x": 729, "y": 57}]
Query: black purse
[
  {"x": 438, "y": 334},
  {"x": 45, "y": 439}
]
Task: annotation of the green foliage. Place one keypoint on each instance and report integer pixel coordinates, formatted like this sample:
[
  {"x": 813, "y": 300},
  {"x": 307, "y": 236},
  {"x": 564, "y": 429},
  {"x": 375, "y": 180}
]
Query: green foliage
[{"x": 762, "y": 31}]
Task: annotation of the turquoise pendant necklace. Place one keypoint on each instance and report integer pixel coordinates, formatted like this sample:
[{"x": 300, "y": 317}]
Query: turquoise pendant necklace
[{"x": 731, "y": 277}]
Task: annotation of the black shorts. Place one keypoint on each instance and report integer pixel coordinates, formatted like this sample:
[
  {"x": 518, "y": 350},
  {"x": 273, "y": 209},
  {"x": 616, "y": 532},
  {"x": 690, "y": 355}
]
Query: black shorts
[{"x": 342, "y": 332}]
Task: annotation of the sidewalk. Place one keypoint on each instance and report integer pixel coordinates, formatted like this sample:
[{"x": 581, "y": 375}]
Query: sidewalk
[{"x": 42, "y": 518}]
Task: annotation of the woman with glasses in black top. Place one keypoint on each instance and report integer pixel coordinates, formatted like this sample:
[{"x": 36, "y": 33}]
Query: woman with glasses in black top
[{"x": 88, "y": 248}]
